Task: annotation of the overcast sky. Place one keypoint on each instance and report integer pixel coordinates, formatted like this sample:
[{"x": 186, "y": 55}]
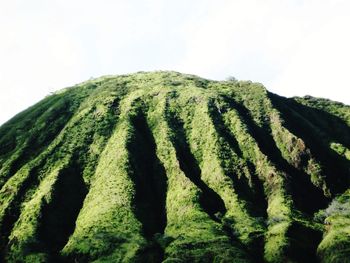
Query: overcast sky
[{"x": 293, "y": 47}]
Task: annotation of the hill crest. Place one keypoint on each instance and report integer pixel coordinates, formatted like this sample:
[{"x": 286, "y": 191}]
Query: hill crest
[{"x": 164, "y": 166}]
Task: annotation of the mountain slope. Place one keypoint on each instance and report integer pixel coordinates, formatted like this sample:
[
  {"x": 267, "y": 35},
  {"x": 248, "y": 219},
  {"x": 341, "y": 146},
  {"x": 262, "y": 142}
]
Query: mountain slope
[{"x": 163, "y": 166}]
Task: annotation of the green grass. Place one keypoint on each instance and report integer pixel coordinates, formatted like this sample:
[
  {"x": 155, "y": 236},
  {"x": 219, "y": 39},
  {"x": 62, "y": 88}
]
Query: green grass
[
  {"x": 335, "y": 246},
  {"x": 169, "y": 167}
]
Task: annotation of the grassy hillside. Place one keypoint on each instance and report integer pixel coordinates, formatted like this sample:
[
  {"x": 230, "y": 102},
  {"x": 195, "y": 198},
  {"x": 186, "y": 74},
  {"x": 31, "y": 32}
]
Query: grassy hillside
[{"x": 167, "y": 167}]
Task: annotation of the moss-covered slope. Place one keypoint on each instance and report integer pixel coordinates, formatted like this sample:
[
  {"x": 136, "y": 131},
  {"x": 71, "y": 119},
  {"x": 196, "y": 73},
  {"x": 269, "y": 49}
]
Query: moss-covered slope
[{"x": 163, "y": 166}]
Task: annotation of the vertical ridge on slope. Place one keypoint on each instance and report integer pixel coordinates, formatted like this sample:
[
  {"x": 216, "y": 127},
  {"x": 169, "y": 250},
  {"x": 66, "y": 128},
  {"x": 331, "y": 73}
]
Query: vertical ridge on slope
[
  {"x": 216, "y": 160},
  {"x": 18, "y": 189},
  {"x": 334, "y": 108},
  {"x": 24, "y": 244},
  {"x": 210, "y": 201},
  {"x": 106, "y": 227},
  {"x": 77, "y": 140},
  {"x": 150, "y": 182},
  {"x": 302, "y": 169},
  {"x": 298, "y": 160},
  {"x": 190, "y": 235},
  {"x": 293, "y": 231},
  {"x": 10, "y": 138},
  {"x": 278, "y": 201},
  {"x": 59, "y": 214},
  {"x": 336, "y": 239},
  {"x": 242, "y": 175},
  {"x": 41, "y": 118},
  {"x": 318, "y": 142},
  {"x": 332, "y": 125},
  {"x": 273, "y": 144},
  {"x": 231, "y": 177},
  {"x": 40, "y": 136},
  {"x": 281, "y": 146}
]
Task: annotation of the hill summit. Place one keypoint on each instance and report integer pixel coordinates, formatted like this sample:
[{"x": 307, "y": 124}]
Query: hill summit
[{"x": 168, "y": 167}]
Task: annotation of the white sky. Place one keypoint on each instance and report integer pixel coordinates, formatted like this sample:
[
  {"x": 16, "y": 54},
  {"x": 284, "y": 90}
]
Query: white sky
[{"x": 293, "y": 47}]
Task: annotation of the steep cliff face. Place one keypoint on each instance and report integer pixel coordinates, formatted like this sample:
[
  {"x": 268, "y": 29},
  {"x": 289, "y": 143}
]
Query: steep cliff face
[{"x": 163, "y": 166}]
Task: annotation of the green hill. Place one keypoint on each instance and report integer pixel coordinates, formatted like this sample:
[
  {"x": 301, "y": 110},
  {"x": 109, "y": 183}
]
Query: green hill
[{"x": 162, "y": 166}]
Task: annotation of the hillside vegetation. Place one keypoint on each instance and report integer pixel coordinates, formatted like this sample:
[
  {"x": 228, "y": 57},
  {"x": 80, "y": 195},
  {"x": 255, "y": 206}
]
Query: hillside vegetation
[{"x": 168, "y": 167}]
